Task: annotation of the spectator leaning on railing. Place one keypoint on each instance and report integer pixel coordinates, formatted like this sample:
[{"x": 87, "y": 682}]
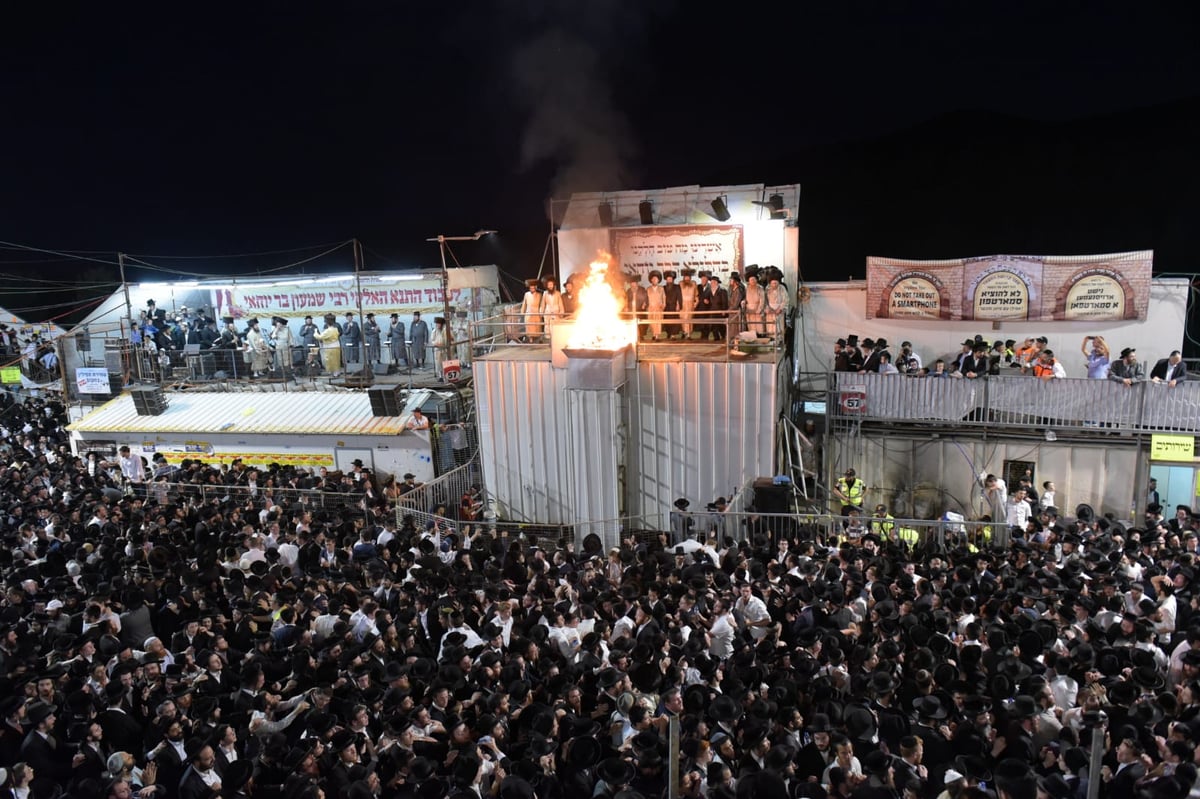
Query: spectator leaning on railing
[
  {"x": 1170, "y": 370},
  {"x": 1127, "y": 370}
]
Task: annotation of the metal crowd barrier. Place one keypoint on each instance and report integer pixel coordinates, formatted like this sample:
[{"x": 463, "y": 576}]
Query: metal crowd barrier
[
  {"x": 239, "y": 495},
  {"x": 1016, "y": 401}
]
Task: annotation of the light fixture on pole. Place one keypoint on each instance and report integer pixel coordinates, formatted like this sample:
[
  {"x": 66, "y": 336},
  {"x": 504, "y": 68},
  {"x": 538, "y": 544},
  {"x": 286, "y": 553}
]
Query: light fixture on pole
[{"x": 441, "y": 240}]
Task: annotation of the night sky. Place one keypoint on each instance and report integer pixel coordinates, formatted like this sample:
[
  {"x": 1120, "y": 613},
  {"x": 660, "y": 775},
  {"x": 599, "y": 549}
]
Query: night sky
[{"x": 918, "y": 129}]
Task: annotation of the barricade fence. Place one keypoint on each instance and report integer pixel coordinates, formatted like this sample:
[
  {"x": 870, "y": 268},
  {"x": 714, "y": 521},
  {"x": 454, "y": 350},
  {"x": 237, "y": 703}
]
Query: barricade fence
[
  {"x": 1016, "y": 401},
  {"x": 456, "y": 496},
  {"x": 259, "y": 497},
  {"x": 693, "y": 530}
]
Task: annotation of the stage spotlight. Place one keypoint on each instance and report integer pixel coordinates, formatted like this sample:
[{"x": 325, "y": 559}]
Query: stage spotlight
[
  {"x": 720, "y": 210},
  {"x": 606, "y": 214},
  {"x": 775, "y": 201},
  {"x": 646, "y": 212}
]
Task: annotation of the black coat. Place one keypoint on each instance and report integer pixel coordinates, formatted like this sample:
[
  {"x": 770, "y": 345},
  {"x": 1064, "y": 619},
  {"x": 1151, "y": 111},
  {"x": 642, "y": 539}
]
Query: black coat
[
  {"x": 191, "y": 786},
  {"x": 1122, "y": 784},
  {"x": 49, "y": 759},
  {"x": 122, "y": 731}
]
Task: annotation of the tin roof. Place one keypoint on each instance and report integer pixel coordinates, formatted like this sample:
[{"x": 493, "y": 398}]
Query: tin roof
[{"x": 314, "y": 413}]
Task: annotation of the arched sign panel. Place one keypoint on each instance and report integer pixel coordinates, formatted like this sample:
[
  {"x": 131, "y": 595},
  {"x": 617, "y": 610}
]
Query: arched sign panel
[{"x": 1001, "y": 295}]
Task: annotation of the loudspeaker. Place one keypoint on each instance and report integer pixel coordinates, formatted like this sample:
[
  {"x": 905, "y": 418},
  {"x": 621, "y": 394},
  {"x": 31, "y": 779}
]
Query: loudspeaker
[
  {"x": 385, "y": 400},
  {"x": 605, "y": 210},
  {"x": 646, "y": 212},
  {"x": 149, "y": 401},
  {"x": 720, "y": 210},
  {"x": 116, "y": 384},
  {"x": 770, "y": 498}
]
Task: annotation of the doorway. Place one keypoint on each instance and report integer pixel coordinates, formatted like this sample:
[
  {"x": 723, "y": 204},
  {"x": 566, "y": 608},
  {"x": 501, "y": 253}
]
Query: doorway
[{"x": 1176, "y": 486}]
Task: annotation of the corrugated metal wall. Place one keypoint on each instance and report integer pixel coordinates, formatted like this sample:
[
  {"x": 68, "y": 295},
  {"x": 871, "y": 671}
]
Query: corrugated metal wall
[
  {"x": 523, "y": 438},
  {"x": 699, "y": 430},
  {"x": 941, "y": 472},
  {"x": 597, "y": 443},
  {"x": 695, "y": 429}
]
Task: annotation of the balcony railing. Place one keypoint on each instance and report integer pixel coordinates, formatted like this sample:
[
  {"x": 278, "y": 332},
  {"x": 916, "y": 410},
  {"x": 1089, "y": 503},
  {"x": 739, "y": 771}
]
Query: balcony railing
[
  {"x": 740, "y": 333},
  {"x": 1017, "y": 401}
]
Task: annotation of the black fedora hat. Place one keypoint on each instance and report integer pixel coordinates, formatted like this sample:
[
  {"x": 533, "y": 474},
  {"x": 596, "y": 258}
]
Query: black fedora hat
[
  {"x": 726, "y": 708},
  {"x": 974, "y": 767},
  {"x": 237, "y": 774},
  {"x": 615, "y": 771},
  {"x": 819, "y": 723},
  {"x": 1023, "y": 707},
  {"x": 929, "y": 707},
  {"x": 583, "y": 752}
]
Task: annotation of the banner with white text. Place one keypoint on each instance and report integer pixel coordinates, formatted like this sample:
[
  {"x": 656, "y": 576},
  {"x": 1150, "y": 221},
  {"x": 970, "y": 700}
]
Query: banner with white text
[{"x": 716, "y": 248}]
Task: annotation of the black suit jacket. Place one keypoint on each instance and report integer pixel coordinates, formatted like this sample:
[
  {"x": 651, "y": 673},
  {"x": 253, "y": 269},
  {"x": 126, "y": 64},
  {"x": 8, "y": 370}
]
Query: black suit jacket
[
  {"x": 1160, "y": 371},
  {"x": 977, "y": 365},
  {"x": 48, "y": 762},
  {"x": 122, "y": 731},
  {"x": 1121, "y": 786},
  {"x": 192, "y": 787}
]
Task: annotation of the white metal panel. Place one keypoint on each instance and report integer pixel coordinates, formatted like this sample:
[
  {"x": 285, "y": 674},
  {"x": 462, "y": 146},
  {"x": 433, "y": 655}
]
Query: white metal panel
[
  {"x": 297, "y": 412},
  {"x": 523, "y": 433},
  {"x": 597, "y": 452},
  {"x": 695, "y": 429},
  {"x": 699, "y": 430}
]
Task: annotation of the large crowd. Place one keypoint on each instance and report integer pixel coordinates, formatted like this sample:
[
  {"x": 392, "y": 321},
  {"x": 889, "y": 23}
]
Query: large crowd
[{"x": 161, "y": 642}]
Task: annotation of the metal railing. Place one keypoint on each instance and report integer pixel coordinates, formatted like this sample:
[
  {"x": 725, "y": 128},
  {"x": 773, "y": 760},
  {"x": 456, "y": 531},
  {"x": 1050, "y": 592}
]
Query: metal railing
[
  {"x": 442, "y": 497},
  {"x": 1016, "y": 401},
  {"x": 832, "y": 529},
  {"x": 760, "y": 529},
  {"x": 741, "y": 333},
  {"x": 262, "y": 496}
]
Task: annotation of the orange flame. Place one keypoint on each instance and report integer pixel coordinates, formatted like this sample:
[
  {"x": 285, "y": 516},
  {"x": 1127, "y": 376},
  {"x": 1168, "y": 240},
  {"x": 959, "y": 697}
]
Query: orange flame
[{"x": 598, "y": 322}]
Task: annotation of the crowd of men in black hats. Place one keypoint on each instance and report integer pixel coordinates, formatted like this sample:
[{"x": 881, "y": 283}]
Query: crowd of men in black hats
[{"x": 168, "y": 645}]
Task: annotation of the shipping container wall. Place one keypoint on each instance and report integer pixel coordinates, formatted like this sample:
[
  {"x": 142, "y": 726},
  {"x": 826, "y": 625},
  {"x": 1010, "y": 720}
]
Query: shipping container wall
[
  {"x": 524, "y": 431},
  {"x": 597, "y": 446},
  {"x": 694, "y": 429},
  {"x": 699, "y": 430}
]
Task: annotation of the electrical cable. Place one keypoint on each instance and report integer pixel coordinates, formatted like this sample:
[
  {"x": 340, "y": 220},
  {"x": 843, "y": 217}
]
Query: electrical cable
[
  {"x": 165, "y": 270},
  {"x": 27, "y": 248},
  {"x": 91, "y": 300},
  {"x": 236, "y": 255}
]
